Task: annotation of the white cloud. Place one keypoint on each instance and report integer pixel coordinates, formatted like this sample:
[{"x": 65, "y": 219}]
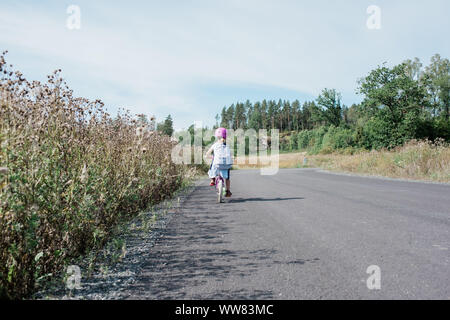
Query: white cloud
[{"x": 152, "y": 55}]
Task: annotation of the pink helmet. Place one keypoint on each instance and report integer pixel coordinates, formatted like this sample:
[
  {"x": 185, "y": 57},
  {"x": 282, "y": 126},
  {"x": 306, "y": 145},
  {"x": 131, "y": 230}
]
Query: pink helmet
[{"x": 221, "y": 133}]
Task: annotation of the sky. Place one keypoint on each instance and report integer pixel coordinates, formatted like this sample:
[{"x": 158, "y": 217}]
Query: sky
[{"x": 191, "y": 58}]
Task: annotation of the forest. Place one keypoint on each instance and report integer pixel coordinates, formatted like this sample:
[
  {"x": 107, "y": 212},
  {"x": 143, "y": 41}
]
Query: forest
[{"x": 400, "y": 103}]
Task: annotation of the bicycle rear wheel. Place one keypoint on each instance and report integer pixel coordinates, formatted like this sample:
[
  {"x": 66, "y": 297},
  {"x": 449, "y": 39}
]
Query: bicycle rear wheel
[{"x": 220, "y": 191}]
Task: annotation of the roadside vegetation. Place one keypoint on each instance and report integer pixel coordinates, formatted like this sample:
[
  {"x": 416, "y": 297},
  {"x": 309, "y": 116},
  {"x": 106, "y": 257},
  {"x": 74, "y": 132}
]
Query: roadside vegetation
[
  {"x": 69, "y": 175},
  {"x": 417, "y": 160}
]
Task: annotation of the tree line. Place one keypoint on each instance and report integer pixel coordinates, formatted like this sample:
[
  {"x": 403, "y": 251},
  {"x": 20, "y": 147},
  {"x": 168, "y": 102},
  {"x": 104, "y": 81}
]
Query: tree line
[{"x": 400, "y": 103}]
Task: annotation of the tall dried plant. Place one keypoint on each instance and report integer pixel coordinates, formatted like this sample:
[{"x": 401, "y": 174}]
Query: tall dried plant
[{"x": 69, "y": 173}]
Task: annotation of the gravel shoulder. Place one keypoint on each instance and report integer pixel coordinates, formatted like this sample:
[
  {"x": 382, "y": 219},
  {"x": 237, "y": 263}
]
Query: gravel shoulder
[{"x": 116, "y": 268}]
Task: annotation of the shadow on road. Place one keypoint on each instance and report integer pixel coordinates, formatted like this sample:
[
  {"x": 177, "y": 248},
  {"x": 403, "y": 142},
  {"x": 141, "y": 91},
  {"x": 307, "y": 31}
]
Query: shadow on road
[
  {"x": 297, "y": 262},
  {"x": 194, "y": 252},
  {"x": 197, "y": 256},
  {"x": 263, "y": 199}
]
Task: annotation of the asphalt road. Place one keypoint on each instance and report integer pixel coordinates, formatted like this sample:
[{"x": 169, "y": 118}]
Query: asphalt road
[{"x": 304, "y": 234}]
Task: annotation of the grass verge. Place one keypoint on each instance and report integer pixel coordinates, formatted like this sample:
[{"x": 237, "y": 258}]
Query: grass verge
[{"x": 416, "y": 160}]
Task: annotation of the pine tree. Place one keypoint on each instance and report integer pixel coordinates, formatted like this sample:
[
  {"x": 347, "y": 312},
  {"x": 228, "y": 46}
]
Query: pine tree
[
  {"x": 166, "y": 127},
  {"x": 264, "y": 116},
  {"x": 295, "y": 114},
  {"x": 224, "y": 118},
  {"x": 239, "y": 116},
  {"x": 230, "y": 117}
]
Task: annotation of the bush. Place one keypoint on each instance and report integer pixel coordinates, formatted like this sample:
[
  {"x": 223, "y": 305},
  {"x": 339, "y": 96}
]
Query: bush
[
  {"x": 69, "y": 174},
  {"x": 377, "y": 134},
  {"x": 441, "y": 129},
  {"x": 303, "y": 139},
  {"x": 338, "y": 138},
  {"x": 293, "y": 143},
  {"x": 317, "y": 139}
]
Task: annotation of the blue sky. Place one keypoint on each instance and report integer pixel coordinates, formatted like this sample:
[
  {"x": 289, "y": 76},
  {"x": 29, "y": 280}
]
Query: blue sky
[{"x": 191, "y": 58}]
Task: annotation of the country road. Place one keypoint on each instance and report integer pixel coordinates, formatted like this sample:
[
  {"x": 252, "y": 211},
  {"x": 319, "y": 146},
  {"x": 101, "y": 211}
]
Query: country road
[{"x": 304, "y": 234}]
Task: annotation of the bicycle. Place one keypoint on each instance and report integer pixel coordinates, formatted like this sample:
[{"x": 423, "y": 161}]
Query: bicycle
[{"x": 220, "y": 182}]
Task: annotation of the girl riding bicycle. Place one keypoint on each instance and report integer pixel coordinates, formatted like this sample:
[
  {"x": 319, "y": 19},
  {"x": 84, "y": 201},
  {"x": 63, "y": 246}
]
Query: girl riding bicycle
[{"x": 222, "y": 160}]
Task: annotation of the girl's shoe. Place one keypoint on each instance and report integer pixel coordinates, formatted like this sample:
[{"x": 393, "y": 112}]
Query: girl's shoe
[{"x": 228, "y": 194}]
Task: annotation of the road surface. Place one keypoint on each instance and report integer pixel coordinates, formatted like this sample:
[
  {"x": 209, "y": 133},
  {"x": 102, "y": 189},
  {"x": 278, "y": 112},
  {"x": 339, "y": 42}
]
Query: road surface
[{"x": 304, "y": 234}]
